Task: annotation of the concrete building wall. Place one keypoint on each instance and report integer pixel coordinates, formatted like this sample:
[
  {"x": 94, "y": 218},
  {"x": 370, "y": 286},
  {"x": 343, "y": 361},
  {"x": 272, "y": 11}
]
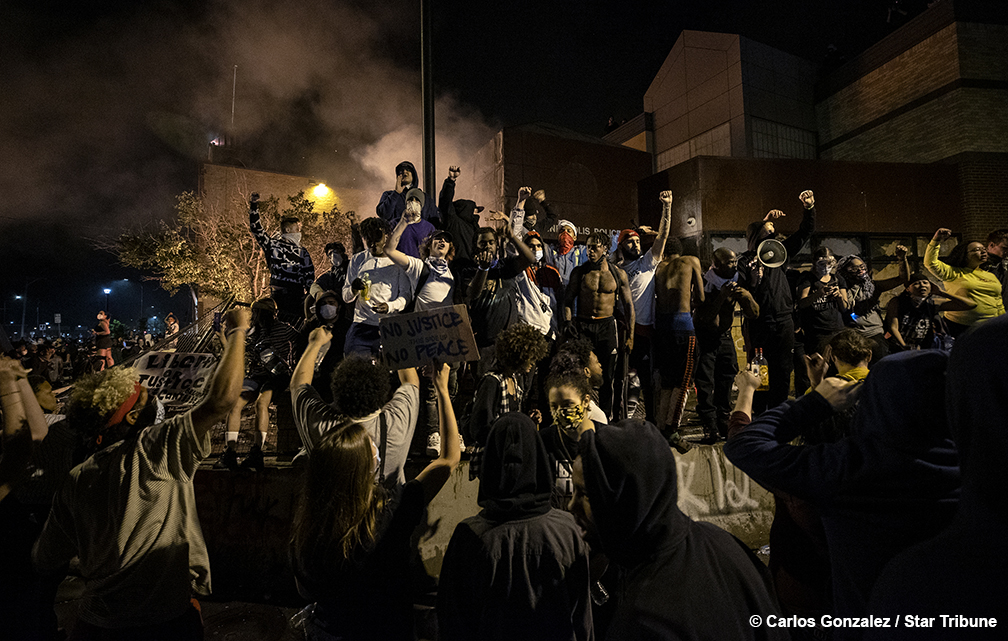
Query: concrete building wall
[{"x": 589, "y": 182}]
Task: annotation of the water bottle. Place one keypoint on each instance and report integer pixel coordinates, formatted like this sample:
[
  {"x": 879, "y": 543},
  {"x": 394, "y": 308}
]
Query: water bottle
[{"x": 764, "y": 370}]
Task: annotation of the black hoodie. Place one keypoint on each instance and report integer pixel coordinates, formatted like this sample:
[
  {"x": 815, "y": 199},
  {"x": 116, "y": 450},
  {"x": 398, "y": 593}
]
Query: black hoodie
[
  {"x": 460, "y": 218},
  {"x": 961, "y": 571},
  {"x": 893, "y": 483},
  {"x": 518, "y": 569},
  {"x": 684, "y": 579}
]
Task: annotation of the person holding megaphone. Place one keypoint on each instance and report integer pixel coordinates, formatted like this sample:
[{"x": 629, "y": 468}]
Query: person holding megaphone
[{"x": 761, "y": 272}]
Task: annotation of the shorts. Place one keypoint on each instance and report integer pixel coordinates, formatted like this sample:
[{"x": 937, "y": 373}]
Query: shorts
[{"x": 674, "y": 345}]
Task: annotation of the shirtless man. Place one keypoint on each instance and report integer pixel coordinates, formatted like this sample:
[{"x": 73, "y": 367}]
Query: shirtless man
[
  {"x": 678, "y": 281},
  {"x": 593, "y": 287}
]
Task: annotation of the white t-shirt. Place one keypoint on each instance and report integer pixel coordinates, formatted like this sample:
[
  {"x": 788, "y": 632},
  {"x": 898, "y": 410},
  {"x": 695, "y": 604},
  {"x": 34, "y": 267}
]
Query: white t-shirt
[
  {"x": 389, "y": 284},
  {"x": 641, "y": 273},
  {"x": 439, "y": 289},
  {"x": 313, "y": 417}
]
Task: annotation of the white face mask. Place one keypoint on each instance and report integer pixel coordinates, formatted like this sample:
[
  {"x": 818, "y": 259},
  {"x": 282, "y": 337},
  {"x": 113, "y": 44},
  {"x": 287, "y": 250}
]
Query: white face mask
[
  {"x": 336, "y": 260},
  {"x": 538, "y": 255},
  {"x": 413, "y": 206},
  {"x": 160, "y": 413},
  {"x": 328, "y": 312},
  {"x": 294, "y": 237}
]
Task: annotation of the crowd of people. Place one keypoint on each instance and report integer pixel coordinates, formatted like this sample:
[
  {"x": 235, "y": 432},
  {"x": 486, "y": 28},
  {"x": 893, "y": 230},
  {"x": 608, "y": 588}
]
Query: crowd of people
[{"x": 868, "y": 453}]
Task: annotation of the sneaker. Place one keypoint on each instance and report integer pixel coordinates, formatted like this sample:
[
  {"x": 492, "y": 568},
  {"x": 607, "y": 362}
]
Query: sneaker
[
  {"x": 679, "y": 443},
  {"x": 254, "y": 460},
  {"x": 228, "y": 460},
  {"x": 433, "y": 445}
]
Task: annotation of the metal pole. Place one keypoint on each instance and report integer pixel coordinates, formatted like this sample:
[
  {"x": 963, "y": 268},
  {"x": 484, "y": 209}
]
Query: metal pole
[
  {"x": 24, "y": 304},
  {"x": 427, "y": 95},
  {"x": 234, "y": 86}
]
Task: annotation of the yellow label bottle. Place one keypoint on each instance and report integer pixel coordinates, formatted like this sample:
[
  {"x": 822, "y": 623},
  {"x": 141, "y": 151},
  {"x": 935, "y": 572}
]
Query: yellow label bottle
[{"x": 764, "y": 371}]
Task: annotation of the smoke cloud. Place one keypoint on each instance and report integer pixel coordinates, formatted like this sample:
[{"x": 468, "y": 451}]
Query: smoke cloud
[{"x": 103, "y": 127}]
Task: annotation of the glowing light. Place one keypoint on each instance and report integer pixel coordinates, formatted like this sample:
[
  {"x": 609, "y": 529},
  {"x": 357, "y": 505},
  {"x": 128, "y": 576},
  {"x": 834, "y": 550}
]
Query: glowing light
[
  {"x": 108, "y": 291},
  {"x": 321, "y": 191}
]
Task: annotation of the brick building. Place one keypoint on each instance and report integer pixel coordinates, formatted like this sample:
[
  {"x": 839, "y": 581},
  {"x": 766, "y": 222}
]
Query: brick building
[{"x": 910, "y": 135}]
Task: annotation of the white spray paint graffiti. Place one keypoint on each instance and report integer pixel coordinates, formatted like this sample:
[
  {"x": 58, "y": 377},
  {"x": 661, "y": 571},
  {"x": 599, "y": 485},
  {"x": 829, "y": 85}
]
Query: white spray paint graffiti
[{"x": 719, "y": 488}]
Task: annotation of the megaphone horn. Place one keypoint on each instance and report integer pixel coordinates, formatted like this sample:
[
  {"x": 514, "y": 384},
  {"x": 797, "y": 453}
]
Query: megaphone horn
[{"x": 771, "y": 253}]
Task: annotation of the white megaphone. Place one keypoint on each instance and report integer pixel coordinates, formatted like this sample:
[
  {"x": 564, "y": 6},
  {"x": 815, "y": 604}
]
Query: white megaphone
[{"x": 771, "y": 253}]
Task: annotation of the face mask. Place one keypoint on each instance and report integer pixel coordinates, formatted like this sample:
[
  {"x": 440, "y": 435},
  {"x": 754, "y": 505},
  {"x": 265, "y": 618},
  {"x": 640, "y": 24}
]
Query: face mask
[
  {"x": 336, "y": 260},
  {"x": 413, "y": 206},
  {"x": 294, "y": 237},
  {"x": 566, "y": 242},
  {"x": 569, "y": 418},
  {"x": 824, "y": 267},
  {"x": 328, "y": 312},
  {"x": 538, "y": 255}
]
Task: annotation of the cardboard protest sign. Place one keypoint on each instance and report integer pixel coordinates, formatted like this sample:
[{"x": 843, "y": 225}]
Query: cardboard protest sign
[
  {"x": 420, "y": 338},
  {"x": 176, "y": 377}
]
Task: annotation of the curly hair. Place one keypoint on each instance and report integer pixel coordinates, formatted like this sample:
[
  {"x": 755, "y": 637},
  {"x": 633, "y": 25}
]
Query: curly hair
[
  {"x": 580, "y": 348},
  {"x": 372, "y": 229},
  {"x": 519, "y": 347},
  {"x": 97, "y": 396},
  {"x": 850, "y": 347},
  {"x": 359, "y": 386},
  {"x": 425, "y": 246},
  {"x": 567, "y": 370}
]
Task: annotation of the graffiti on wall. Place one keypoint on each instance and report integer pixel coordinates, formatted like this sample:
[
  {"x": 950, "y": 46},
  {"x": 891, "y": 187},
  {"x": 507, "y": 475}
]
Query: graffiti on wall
[{"x": 709, "y": 484}]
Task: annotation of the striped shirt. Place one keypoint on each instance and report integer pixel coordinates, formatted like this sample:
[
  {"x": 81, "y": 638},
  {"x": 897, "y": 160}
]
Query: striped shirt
[{"x": 129, "y": 513}]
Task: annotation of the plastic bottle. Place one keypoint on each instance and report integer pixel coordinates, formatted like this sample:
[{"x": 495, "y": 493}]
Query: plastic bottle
[
  {"x": 764, "y": 371},
  {"x": 366, "y": 294}
]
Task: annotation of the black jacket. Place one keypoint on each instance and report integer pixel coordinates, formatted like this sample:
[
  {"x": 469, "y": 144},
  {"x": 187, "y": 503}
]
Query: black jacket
[{"x": 772, "y": 292}]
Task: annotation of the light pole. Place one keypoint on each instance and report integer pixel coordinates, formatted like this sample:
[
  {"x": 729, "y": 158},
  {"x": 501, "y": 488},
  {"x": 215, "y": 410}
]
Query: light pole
[
  {"x": 24, "y": 303},
  {"x": 107, "y": 292}
]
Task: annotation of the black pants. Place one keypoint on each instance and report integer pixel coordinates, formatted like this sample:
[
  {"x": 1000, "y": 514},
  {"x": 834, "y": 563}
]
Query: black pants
[
  {"x": 640, "y": 360},
  {"x": 776, "y": 337},
  {"x": 603, "y": 337},
  {"x": 717, "y": 365}
]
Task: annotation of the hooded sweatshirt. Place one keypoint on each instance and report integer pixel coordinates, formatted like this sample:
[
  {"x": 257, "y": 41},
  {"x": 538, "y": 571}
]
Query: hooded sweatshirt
[
  {"x": 961, "y": 570},
  {"x": 892, "y": 483},
  {"x": 684, "y": 579},
  {"x": 460, "y": 218},
  {"x": 392, "y": 203},
  {"x": 519, "y": 568}
]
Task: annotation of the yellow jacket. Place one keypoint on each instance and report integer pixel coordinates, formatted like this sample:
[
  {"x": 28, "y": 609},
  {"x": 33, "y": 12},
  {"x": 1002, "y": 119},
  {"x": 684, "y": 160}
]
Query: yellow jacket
[{"x": 980, "y": 286}]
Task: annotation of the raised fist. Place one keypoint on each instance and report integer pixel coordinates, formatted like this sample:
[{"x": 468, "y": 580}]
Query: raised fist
[
  {"x": 774, "y": 214},
  {"x": 539, "y": 195},
  {"x": 524, "y": 193},
  {"x": 942, "y": 234},
  {"x": 666, "y": 197},
  {"x": 254, "y": 198},
  {"x": 453, "y": 172},
  {"x": 807, "y": 199},
  {"x": 901, "y": 251},
  {"x": 352, "y": 216}
]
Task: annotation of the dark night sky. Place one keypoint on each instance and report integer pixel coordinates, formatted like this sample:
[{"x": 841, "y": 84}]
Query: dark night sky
[{"x": 108, "y": 106}]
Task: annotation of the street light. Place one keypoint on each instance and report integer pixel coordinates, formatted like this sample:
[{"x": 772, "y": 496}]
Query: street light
[{"x": 107, "y": 292}]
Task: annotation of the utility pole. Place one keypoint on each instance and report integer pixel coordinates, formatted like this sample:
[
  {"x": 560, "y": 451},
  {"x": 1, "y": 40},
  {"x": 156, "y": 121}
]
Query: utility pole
[
  {"x": 24, "y": 303},
  {"x": 427, "y": 95}
]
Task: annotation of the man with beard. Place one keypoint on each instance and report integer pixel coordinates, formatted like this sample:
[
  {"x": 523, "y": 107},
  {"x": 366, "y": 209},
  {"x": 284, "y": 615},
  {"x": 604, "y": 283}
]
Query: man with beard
[
  {"x": 129, "y": 511},
  {"x": 640, "y": 271},
  {"x": 717, "y": 362},
  {"x": 593, "y": 289},
  {"x": 290, "y": 265}
]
